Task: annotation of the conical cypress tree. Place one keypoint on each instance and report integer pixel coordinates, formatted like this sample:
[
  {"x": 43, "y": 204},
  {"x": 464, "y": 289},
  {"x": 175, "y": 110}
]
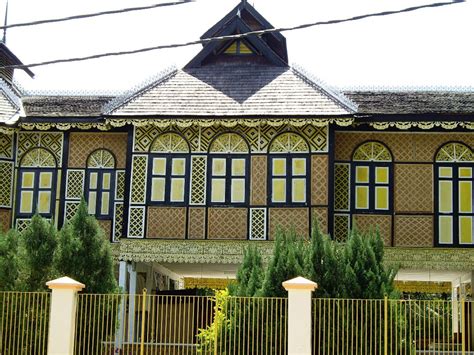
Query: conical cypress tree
[
  {"x": 250, "y": 273},
  {"x": 9, "y": 263}
]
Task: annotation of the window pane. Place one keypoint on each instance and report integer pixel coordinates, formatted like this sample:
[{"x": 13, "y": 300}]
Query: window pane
[
  {"x": 465, "y": 172},
  {"x": 158, "y": 189},
  {"x": 381, "y": 175},
  {"x": 299, "y": 190},
  {"x": 104, "y": 205},
  {"x": 238, "y": 190},
  {"x": 45, "y": 180},
  {"x": 279, "y": 190},
  {"x": 177, "y": 190},
  {"x": 178, "y": 166},
  {"x": 93, "y": 181},
  {"x": 159, "y": 166},
  {"x": 106, "y": 181},
  {"x": 299, "y": 166},
  {"x": 26, "y": 204},
  {"x": 238, "y": 167},
  {"x": 381, "y": 198},
  {"x": 465, "y": 229},
  {"x": 92, "y": 202},
  {"x": 28, "y": 179},
  {"x": 362, "y": 174},
  {"x": 279, "y": 166},
  {"x": 218, "y": 190},
  {"x": 44, "y": 201},
  {"x": 218, "y": 167},
  {"x": 362, "y": 197},
  {"x": 445, "y": 196},
  {"x": 445, "y": 171},
  {"x": 465, "y": 196},
  {"x": 445, "y": 229}
]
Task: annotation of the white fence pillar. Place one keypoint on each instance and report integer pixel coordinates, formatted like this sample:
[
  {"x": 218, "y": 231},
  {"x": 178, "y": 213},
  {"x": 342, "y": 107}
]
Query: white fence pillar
[
  {"x": 299, "y": 315},
  {"x": 62, "y": 318}
]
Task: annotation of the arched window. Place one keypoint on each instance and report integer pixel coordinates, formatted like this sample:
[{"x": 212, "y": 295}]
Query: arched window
[
  {"x": 289, "y": 170},
  {"x": 454, "y": 194},
  {"x": 371, "y": 172},
  {"x": 168, "y": 169},
  {"x": 228, "y": 165},
  {"x": 100, "y": 182},
  {"x": 36, "y": 183}
]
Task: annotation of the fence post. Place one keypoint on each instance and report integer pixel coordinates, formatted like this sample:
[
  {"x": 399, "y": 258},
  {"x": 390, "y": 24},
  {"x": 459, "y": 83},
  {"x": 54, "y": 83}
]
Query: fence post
[
  {"x": 62, "y": 318},
  {"x": 299, "y": 315}
]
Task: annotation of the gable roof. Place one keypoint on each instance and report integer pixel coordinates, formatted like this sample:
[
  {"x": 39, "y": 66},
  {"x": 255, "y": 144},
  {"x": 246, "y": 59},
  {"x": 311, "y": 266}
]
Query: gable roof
[{"x": 10, "y": 104}]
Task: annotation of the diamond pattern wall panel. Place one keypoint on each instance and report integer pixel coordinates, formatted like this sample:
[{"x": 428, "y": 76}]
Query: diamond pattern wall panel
[
  {"x": 166, "y": 222},
  {"x": 198, "y": 180},
  {"x": 53, "y": 141},
  {"x": 288, "y": 218},
  {"x": 341, "y": 227},
  {"x": 6, "y": 177},
  {"x": 258, "y": 180},
  {"x": 70, "y": 210},
  {"x": 75, "y": 184},
  {"x": 370, "y": 223},
  {"x": 414, "y": 231},
  {"x": 341, "y": 187},
  {"x": 319, "y": 179},
  {"x": 196, "y": 222},
  {"x": 120, "y": 185},
  {"x": 227, "y": 223},
  {"x": 414, "y": 188},
  {"x": 5, "y": 219},
  {"x": 22, "y": 224},
  {"x": 258, "y": 224},
  {"x": 139, "y": 166},
  {"x": 118, "y": 222},
  {"x": 320, "y": 214},
  {"x": 136, "y": 222},
  {"x": 6, "y": 145}
]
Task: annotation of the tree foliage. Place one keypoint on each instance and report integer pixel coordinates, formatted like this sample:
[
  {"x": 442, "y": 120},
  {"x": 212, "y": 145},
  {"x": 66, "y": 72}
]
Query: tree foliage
[
  {"x": 9, "y": 263},
  {"x": 250, "y": 274}
]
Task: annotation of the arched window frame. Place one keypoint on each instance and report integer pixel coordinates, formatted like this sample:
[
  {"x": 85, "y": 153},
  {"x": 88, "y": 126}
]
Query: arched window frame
[
  {"x": 37, "y": 181},
  {"x": 372, "y": 179},
  {"x": 228, "y": 170},
  {"x": 168, "y": 170},
  {"x": 454, "y": 207},
  {"x": 289, "y": 170}
]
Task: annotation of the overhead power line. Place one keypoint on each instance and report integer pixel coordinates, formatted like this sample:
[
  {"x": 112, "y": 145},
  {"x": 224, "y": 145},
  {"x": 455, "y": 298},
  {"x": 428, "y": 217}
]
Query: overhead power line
[
  {"x": 95, "y": 14},
  {"x": 230, "y": 37}
]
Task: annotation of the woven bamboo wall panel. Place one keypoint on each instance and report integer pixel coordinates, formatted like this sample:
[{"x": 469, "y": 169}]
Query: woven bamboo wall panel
[
  {"x": 81, "y": 145},
  {"x": 288, "y": 218},
  {"x": 5, "y": 219},
  {"x": 106, "y": 226},
  {"x": 413, "y": 188},
  {"x": 370, "y": 223},
  {"x": 227, "y": 223},
  {"x": 196, "y": 222},
  {"x": 258, "y": 178},
  {"x": 166, "y": 222},
  {"x": 320, "y": 214},
  {"x": 319, "y": 179},
  {"x": 414, "y": 231}
]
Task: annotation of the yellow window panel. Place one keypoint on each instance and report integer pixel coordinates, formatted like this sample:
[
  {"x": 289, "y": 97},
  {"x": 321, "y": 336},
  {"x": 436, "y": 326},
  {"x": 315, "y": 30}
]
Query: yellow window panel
[
  {"x": 362, "y": 174},
  {"x": 218, "y": 190},
  {"x": 279, "y": 167},
  {"x": 445, "y": 172},
  {"x": 177, "y": 190},
  {"x": 299, "y": 190},
  {"x": 465, "y": 229},
  {"x": 445, "y": 229},
  {"x": 26, "y": 203},
  {"x": 178, "y": 166},
  {"x": 28, "y": 180},
  {"x": 362, "y": 197},
  {"x": 244, "y": 49},
  {"x": 158, "y": 189},
  {"x": 232, "y": 49},
  {"x": 46, "y": 180},
  {"x": 238, "y": 190},
  {"x": 44, "y": 201},
  {"x": 159, "y": 166},
  {"x": 238, "y": 167},
  {"x": 278, "y": 190},
  {"x": 381, "y": 175},
  {"x": 92, "y": 202},
  {"x": 465, "y": 196},
  {"x": 381, "y": 198},
  {"x": 104, "y": 204},
  {"x": 465, "y": 172},
  {"x": 445, "y": 196},
  {"x": 218, "y": 167},
  {"x": 299, "y": 166},
  {"x": 106, "y": 181},
  {"x": 93, "y": 181}
]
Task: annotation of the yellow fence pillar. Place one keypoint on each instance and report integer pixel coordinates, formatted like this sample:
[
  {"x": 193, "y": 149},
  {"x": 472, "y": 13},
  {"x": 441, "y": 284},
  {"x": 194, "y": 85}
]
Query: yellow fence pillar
[
  {"x": 62, "y": 318},
  {"x": 299, "y": 315}
]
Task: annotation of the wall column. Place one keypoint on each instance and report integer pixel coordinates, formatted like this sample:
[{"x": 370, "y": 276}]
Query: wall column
[
  {"x": 131, "y": 301},
  {"x": 455, "y": 308},
  {"x": 119, "y": 334}
]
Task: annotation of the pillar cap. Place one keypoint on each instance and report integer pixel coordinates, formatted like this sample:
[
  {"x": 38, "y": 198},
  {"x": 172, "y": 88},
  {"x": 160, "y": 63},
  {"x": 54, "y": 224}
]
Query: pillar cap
[
  {"x": 299, "y": 283},
  {"x": 65, "y": 283}
]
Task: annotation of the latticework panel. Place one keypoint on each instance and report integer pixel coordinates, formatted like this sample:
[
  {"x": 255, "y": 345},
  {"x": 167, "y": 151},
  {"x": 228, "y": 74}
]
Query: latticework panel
[
  {"x": 369, "y": 223},
  {"x": 169, "y": 142},
  {"x": 258, "y": 224},
  {"x": 5, "y": 219},
  {"x": 139, "y": 165},
  {"x": 75, "y": 184},
  {"x": 413, "y": 188},
  {"x": 120, "y": 185},
  {"x": 289, "y": 218},
  {"x": 196, "y": 222},
  {"x": 101, "y": 158},
  {"x": 227, "y": 223},
  {"x": 6, "y": 145},
  {"x": 289, "y": 142},
  {"x": 136, "y": 222},
  {"x": 198, "y": 180},
  {"x": 166, "y": 222},
  {"x": 70, "y": 210},
  {"x": 38, "y": 157},
  {"x": 229, "y": 143},
  {"x": 118, "y": 222},
  {"x": 106, "y": 226},
  {"x": 319, "y": 179},
  {"x": 53, "y": 141},
  {"x": 6, "y": 177},
  {"x": 320, "y": 215},
  {"x": 341, "y": 227},
  {"x": 341, "y": 187},
  {"x": 455, "y": 152},
  {"x": 22, "y": 225},
  {"x": 258, "y": 179},
  {"x": 372, "y": 151},
  {"x": 81, "y": 145},
  {"x": 414, "y": 231}
]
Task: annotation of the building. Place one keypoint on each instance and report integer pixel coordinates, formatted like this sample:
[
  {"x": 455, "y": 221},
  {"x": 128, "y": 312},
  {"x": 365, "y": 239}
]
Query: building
[{"x": 186, "y": 170}]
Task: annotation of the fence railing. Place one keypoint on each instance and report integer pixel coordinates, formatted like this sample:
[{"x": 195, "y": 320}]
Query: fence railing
[{"x": 24, "y": 318}]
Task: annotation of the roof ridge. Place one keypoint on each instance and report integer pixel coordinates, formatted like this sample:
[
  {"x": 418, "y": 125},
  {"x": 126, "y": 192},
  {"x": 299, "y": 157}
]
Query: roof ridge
[{"x": 409, "y": 88}]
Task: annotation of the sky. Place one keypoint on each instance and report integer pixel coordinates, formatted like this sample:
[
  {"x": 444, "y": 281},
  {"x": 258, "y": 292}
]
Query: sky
[{"x": 429, "y": 48}]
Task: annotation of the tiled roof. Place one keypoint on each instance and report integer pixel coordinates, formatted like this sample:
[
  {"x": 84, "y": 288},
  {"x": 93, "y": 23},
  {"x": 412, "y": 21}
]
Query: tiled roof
[
  {"x": 9, "y": 104},
  {"x": 64, "y": 106},
  {"x": 413, "y": 102},
  {"x": 233, "y": 90}
]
